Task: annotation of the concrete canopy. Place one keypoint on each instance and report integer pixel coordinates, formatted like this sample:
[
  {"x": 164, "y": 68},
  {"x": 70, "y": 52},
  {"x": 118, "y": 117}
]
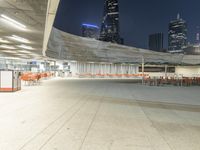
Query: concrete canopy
[
  {"x": 36, "y": 19},
  {"x": 66, "y": 46}
]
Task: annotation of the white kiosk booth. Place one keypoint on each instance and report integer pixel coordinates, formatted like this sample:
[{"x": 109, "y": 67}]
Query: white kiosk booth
[{"x": 9, "y": 81}]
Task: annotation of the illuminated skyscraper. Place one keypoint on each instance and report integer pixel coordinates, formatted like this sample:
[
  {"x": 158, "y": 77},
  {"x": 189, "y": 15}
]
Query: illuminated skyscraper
[
  {"x": 110, "y": 30},
  {"x": 90, "y": 31},
  {"x": 177, "y": 34}
]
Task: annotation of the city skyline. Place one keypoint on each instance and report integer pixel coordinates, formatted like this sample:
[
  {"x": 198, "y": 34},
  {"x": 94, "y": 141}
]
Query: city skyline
[{"x": 137, "y": 20}]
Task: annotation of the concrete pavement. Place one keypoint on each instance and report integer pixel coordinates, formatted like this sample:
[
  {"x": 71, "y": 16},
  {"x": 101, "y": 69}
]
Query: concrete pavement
[{"x": 65, "y": 114}]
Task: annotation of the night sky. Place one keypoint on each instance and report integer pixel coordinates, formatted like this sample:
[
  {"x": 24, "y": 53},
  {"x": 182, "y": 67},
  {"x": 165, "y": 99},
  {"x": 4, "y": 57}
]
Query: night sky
[{"x": 138, "y": 18}]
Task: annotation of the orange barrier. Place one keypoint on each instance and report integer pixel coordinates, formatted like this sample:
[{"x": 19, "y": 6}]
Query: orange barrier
[{"x": 32, "y": 78}]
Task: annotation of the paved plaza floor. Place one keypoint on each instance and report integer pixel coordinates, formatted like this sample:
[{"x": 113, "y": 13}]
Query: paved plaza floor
[{"x": 61, "y": 114}]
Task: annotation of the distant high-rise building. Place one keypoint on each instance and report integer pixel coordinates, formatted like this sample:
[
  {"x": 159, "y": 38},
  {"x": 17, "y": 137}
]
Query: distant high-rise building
[
  {"x": 110, "y": 30},
  {"x": 177, "y": 34},
  {"x": 90, "y": 31},
  {"x": 156, "y": 42},
  {"x": 192, "y": 49},
  {"x": 198, "y": 35}
]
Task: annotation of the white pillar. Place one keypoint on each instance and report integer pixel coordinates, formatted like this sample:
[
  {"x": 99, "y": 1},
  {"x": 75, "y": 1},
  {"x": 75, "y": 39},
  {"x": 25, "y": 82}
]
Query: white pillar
[
  {"x": 142, "y": 69},
  {"x": 166, "y": 70}
]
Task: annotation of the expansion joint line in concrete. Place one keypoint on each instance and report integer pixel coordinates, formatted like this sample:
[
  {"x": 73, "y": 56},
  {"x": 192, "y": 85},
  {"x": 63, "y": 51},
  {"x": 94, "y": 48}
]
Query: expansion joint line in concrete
[
  {"x": 153, "y": 126},
  {"x": 53, "y": 122},
  {"x": 66, "y": 121},
  {"x": 91, "y": 123}
]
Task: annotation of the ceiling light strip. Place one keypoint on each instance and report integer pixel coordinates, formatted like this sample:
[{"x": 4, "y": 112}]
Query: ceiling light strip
[
  {"x": 13, "y": 21},
  {"x": 7, "y": 46},
  {"x": 19, "y": 39},
  {"x": 25, "y": 47}
]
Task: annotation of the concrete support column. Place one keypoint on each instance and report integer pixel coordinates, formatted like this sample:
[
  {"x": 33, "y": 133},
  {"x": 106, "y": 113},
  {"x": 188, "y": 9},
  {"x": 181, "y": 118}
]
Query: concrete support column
[
  {"x": 54, "y": 68},
  {"x": 166, "y": 67},
  {"x": 142, "y": 70}
]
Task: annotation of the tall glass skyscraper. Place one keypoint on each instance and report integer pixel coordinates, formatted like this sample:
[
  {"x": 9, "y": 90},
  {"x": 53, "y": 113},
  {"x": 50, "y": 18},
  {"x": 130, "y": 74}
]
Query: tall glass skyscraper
[
  {"x": 110, "y": 30},
  {"x": 156, "y": 42},
  {"x": 177, "y": 34}
]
